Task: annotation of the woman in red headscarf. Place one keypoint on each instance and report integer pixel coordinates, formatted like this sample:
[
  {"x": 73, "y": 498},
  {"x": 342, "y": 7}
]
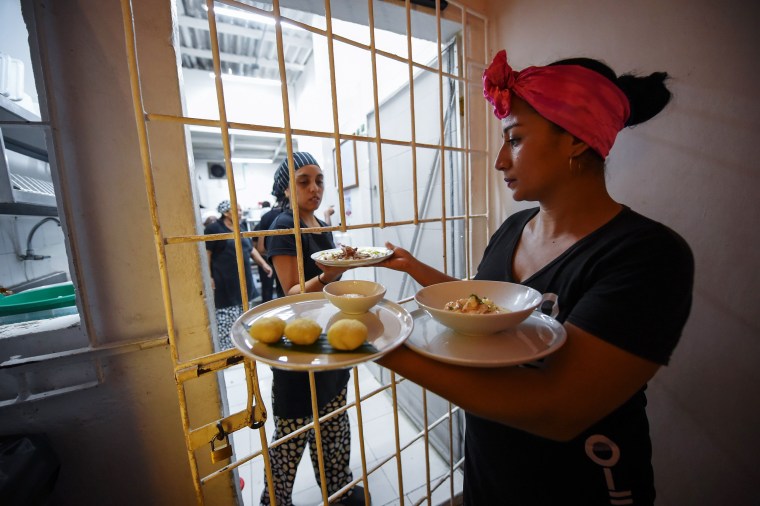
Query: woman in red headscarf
[{"x": 573, "y": 429}]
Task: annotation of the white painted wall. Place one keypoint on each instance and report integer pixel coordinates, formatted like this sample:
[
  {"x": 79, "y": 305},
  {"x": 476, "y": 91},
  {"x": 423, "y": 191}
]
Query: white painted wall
[
  {"x": 694, "y": 167},
  {"x": 48, "y": 240}
]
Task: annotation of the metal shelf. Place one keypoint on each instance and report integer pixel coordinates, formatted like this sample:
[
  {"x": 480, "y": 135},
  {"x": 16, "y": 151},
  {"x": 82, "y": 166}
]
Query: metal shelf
[{"x": 24, "y": 138}]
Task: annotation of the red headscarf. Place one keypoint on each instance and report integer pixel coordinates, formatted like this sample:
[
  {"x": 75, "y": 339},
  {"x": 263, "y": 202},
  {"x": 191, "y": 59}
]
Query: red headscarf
[{"x": 582, "y": 101}]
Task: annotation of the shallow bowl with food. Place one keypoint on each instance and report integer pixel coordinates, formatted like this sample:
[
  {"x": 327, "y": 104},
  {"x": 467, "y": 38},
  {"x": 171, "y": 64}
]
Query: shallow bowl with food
[
  {"x": 514, "y": 302},
  {"x": 354, "y": 296}
]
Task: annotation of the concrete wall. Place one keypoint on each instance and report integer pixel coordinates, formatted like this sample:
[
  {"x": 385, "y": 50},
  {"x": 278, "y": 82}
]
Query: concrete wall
[{"x": 694, "y": 167}]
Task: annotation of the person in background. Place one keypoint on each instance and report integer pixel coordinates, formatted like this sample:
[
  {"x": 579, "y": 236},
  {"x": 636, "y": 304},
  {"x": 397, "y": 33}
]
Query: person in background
[
  {"x": 291, "y": 394},
  {"x": 572, "y": 429},
  {"x": 268, "y": 281},
  {"x": 328, "y": 214},
  {"x": 224, "y": 273}
]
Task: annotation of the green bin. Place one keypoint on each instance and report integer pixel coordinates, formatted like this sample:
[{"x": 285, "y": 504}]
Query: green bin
[{"x": 38, "y": 303}]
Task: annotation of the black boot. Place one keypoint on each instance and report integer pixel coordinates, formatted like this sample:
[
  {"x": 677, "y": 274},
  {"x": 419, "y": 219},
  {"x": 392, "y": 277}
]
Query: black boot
[{"x": 356, "y": 498}]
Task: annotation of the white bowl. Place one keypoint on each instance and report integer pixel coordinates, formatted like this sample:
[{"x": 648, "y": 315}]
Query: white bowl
[
  {"x": 518, "y": 300},
  {"x": 354, "y": 296}
]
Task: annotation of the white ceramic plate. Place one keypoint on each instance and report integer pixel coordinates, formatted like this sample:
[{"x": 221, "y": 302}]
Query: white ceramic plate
[
  {"x": 536, "y": 337},
  {"x": 378, "y": 255},
  {"x": 388, "y": 326}
]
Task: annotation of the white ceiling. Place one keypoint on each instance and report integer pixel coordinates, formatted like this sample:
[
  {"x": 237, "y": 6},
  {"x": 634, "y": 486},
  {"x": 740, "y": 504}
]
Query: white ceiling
[{"x": 248, "y": 48}]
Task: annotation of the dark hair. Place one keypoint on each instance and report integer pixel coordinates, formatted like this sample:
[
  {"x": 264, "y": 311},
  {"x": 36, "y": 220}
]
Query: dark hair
[
  {"x": 280, "y": 200},
  {"x": 647, "y": 95}
]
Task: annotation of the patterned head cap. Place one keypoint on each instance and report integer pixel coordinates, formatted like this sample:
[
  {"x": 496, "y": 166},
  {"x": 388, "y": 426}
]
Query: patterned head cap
[
  {"x": 224, "y": 206},
  {"x": 282, "y": 176}
]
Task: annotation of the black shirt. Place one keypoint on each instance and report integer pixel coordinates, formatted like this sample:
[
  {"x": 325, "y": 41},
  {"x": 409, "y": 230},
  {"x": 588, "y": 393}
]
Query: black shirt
[
  {"x": 267, "y": 219},
  {"x": 628, "y": 283},
  {"x": 224, "y": 267},
  {"x": 291, "y": 393}
]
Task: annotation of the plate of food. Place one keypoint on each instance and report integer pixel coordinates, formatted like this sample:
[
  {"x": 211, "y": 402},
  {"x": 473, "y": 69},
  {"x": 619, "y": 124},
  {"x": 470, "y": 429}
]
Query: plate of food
[
  {"x": 306, "y": 332},
  {"x": 479, "y": 307},
  {"x": 347, "y": 256},
  {"x": 534, "y": 338}
]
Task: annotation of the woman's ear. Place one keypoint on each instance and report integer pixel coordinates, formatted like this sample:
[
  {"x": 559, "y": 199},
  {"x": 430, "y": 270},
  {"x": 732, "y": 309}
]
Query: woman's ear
[{"x": 578, "y": 147}]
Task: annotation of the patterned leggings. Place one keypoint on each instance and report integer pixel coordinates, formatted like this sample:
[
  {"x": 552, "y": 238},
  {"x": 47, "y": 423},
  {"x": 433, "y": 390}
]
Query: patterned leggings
[
  {"x": 336, "y": 447},
  {"x": 225, "y": 317}
]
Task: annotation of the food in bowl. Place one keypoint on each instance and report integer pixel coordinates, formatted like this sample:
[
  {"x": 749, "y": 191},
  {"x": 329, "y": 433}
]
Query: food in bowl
[
  {"x": 474, "y": 305},
  {"x": 354, "y": 296},
  {"x": 302, "y": 331},
  {"x": 516, "y": 301},
  {"x": 268, "y": 329},
  {"x": 347, "y": 334}
]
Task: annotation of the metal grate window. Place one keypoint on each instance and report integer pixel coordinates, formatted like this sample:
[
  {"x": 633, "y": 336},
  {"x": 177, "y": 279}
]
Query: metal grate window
[{"x": 408, "y": 166}]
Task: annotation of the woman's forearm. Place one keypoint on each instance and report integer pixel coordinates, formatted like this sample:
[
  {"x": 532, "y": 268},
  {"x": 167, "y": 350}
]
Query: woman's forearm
[{"x": 427, "y": 275}]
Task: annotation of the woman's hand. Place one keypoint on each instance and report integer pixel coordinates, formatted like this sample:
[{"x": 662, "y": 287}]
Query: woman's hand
[
  {"x": 330, "y": 273},
  {"x": 401, "y": 259},
  {"x": 267, "y": 269}
]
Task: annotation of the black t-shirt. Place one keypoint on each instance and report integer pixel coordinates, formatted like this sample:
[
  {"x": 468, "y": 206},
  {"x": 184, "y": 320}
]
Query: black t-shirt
[
  {"x": 291, "y": 392},
  {"x": 224, "y": 267},
  {"x": 628, "y": 283},
  {"x": 267, "y": 219}
]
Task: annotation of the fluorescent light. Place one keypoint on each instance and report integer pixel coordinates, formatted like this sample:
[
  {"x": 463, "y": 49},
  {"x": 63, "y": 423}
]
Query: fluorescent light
[
  {"x": 241, "y": 14},
  {"x": 247, "y": 79},
  {"x": 251, "y": 133},
  {"x": 251, "y": 160},
  {"x": 235, "y": 131}
]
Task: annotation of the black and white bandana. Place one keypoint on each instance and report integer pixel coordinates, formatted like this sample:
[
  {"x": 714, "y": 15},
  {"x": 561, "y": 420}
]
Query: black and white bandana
[{"x": 282, "y": 176}]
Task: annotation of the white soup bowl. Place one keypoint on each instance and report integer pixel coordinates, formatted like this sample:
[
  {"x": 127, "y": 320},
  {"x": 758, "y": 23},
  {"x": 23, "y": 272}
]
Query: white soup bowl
[{"x": 517, "y": 300}]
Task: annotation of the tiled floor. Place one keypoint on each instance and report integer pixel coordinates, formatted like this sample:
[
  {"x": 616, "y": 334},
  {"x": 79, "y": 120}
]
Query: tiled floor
[{"x": 377, "y": 414}]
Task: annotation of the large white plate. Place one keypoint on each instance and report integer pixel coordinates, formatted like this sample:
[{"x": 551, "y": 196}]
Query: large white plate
[
  {"x": 380, "y": 254},
  {"x": 536, "y": 337},
  {"x": 388, "y": 326}
]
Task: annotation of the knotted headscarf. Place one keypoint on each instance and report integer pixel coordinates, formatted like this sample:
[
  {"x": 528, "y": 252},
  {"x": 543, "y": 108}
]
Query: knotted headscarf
[
  {"x": 579, "y": 100},
  {"x": 282, "y": 175}
]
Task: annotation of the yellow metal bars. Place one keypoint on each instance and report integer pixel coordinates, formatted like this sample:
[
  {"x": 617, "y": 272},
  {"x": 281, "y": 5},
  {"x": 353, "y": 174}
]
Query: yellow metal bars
[
  {"x": 411, "y": 110},
  {"x": 216, "y": 59},
  {"x": 376, "y": 101},
  {"x": 442, "y": 126},
  {"x": 336, "y": 123},
  {"x": 466, "y": 127},
  {"x": 196, "y": 367}
]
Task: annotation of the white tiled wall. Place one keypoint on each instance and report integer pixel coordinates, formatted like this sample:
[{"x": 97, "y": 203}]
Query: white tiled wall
[{"x": 48, "y": 240}]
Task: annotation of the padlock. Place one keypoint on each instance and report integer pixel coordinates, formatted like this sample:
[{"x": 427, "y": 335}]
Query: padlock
[
  {"x": 221, "y": 452},
  {"x": 224, "y": 450}
]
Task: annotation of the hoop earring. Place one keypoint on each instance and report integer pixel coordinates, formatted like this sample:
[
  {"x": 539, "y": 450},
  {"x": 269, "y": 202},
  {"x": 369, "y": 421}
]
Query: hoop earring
[{"x": 572, "y": 170}]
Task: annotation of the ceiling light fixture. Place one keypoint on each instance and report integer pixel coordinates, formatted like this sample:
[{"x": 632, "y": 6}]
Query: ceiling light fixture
[
  {"x": 235, "y": 131},
  {"x": 251, "y": 160},
  {"x": 248, "y": 79},
  {"x": 241, "y": 14}
]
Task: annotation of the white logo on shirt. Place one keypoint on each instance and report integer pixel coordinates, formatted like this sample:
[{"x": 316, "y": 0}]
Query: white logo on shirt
[{"x": 603, "y": 451}]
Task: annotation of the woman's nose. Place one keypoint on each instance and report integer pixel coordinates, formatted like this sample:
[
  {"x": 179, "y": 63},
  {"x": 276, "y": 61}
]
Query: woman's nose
[{"x": 502, "y": 161}]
